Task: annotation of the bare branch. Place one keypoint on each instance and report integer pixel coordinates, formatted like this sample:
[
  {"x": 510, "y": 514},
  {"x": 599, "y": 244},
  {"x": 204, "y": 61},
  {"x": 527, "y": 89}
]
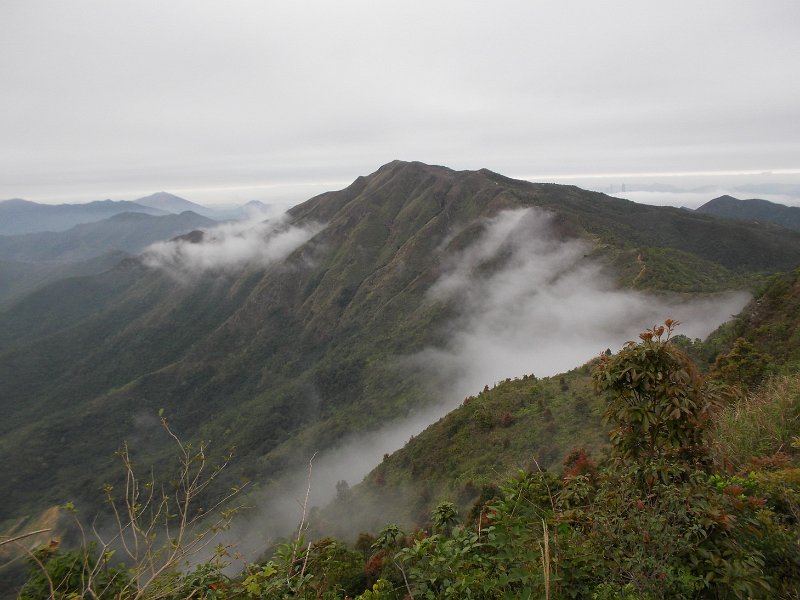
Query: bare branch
[{"x": 23, "y": 536}]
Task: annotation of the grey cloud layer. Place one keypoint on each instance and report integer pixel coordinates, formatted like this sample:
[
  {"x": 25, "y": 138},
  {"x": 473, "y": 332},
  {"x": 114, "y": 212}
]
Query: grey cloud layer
[{"x": 103, "y": 97}]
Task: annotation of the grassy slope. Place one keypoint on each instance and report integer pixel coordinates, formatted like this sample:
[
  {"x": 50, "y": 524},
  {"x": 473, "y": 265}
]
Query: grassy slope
[{"x": 524, "y": 423}]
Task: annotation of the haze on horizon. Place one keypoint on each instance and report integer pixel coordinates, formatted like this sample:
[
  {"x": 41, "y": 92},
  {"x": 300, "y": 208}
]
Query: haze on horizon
[{"x": 278, "y": 102}]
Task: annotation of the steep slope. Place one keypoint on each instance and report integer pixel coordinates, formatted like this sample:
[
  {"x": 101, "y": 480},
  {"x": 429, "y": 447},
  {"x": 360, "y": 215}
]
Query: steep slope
[
  {"x": 22, "y": 216},
  {"x": 521, "y": 423},
  {"x": 753, "y": 210},
  {"x": 282, "y": 357},
  {"x": 770, "y": 322},
  {"x": 19, "y": 279}
]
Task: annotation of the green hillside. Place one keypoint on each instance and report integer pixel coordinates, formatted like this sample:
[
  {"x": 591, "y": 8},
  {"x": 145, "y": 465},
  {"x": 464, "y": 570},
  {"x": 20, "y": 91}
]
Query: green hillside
[
  {"x": 769, "y": 323},
  {"x": 525, "y": 423},
  {"x": 287, "y": 358},
  {"x": 695, "y": 497},
  {"x": 20, "y": 279}
]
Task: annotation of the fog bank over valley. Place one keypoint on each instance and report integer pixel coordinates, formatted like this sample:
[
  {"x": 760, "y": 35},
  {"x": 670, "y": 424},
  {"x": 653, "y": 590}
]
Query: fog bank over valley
[
  {"x": 549, "y": 308},
  {"x": 230, "y": 247},
  {"x": 527, "y": 302}
]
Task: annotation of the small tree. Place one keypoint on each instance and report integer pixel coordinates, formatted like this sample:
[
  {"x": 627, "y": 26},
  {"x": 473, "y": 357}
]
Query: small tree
[
  {"x": 387, "y": 538},
  {"x": 743, "y": 365},
  {"x": 157, "y": 528},
  {"x": 658, "y": 402},
  {"x": 657, "y": 519},
  {"x": 445, "y": 516}
]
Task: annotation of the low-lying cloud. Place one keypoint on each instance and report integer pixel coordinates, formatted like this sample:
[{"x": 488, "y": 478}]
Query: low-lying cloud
[
  {"x": 230, "y": 246},
  {"x": 548, "y": 309},
  {"x": 276, "y": 510},
  {"x": 528, "y": 302}
]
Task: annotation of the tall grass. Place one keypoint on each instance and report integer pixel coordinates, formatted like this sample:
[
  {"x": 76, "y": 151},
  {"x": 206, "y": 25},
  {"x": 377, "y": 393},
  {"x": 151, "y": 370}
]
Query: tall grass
[{"x": 760, "y": 425}]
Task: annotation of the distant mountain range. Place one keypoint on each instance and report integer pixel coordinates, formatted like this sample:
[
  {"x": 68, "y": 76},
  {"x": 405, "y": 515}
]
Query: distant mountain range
[
  {"x": 22, "y": 216},
  {"x": 753, "y": 210},
  {"x": 42, "y": 243},
  {"x": 300, "y": 343},
  {"x": 28, "y": 261},
  {"x": 128, "y": 232}
]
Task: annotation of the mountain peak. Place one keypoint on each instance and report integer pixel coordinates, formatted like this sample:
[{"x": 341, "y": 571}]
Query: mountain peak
[
  {"x": 161, "y": 196},
  {"x": 411, "y": 167},
  {"x": 724, "y": 198},
  {"x": 172, "y": 203},
  {"x": 753, "y": 210},
  {"x": 16, "y": 202}
]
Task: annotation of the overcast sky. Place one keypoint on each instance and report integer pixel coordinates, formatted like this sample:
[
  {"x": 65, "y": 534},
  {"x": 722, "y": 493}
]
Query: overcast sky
[{"x": 231, "y": 101}]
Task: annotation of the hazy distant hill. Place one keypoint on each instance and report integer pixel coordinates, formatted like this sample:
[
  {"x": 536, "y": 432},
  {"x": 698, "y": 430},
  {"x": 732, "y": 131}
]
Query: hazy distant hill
[
  {"x": 302, "y": 345},
  {"x": 29, "y": 261},
  {"x": 22, "y": 216},
  {"x": 255, "y": 206},
  {"x": 248, "y": 210},
  {"x": 753, "y": 210},
  {"x": 174, "y": 204},
  {"x": 127, "y": 232}
]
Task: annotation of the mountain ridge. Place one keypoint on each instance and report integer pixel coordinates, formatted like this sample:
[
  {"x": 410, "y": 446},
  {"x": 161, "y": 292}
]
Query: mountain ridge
[
  {"x": 286, "y": 357},
  {"x": 19, "y": 216}
]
